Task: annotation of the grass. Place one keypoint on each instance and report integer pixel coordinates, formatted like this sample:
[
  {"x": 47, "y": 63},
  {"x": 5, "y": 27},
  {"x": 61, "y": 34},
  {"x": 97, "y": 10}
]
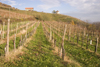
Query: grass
[
  {"x": 38, "y": 53},
  {"x": 83, "y": 57},
  {"x": 11, "y": 43},
  {"x": 91, "y": 47}
]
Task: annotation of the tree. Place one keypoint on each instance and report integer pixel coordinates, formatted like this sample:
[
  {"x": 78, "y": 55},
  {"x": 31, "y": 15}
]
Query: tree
[{"x": 53, "y": 11}]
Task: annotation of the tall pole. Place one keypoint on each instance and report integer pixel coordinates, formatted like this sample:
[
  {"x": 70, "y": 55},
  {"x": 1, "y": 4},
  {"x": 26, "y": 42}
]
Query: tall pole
[
  {"x": 15, "y": 42},
  {"x": 63, "y": 51},
  {"x": 8, "y": 37},
  {"x": 26, "y": 29},
  {"x": 3, "y": 30},
  {"x": 50, "y": 33}
]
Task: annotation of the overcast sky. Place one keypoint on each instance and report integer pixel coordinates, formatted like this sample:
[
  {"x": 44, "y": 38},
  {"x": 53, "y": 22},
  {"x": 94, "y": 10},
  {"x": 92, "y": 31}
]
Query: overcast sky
[{"x": 82, "y": 9}]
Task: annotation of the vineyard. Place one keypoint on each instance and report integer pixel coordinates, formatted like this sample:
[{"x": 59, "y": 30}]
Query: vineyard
[
  {"x": 38, "y": 39},
  {"x": 52, "y": 43},
  {"x": 17, "y": 36},
  {"x": 77, "y": 43}
]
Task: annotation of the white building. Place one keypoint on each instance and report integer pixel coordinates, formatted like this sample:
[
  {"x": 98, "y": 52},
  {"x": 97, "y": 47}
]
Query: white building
[
  {"x": 55, "y": 12},
  {"x": 29, "y": 9}
]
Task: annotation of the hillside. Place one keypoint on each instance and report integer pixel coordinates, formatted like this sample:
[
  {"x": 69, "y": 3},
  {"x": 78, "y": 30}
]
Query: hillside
[
  {"x": 37, "y": 39},
  {"x": 34, "y": 15}
]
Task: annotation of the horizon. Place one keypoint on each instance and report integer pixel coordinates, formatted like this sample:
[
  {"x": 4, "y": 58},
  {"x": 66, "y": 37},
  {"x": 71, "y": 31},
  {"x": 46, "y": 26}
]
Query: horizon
[{"x": 85, "y": 10}]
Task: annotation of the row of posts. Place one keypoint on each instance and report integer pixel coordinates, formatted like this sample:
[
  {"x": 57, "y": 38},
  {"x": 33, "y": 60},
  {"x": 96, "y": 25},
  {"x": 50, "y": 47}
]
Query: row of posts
[
  {"x": 63, "y": 38},
  {"x": 62, "y": 50},
  {"x": 8, "y": 31},
  {"x": 83, "y": 34}
]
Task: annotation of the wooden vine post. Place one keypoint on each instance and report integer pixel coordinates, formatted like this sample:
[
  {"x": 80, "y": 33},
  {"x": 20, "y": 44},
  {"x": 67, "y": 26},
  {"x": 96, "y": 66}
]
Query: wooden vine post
[
  {"x": 68, "y": 33},
  {"x": 16, "y": 28},
  {"x": 77, "y": 37},
  {"x": 82, "y": 39},
  {"x": 87, "y": 42},
  {"x": 26, "y": 30},
  {"x": 84, "y": 32},
  {"x": 53, "y": 37},
  {"x": 74, "y": 34},
  {"x": 7, "y": 47},
  {"x": 11, "y": 26},
  {"x": 50, "y": 33},
  {"x": 62, "y": 46},
  {"x": 96, "y": 45},
  {"x": 59, "y": 49},
  {"x": 3, "y": 30},
  {"x": 55, "y": 43},
  {"x": 15, "y": 42},
  {"x": 20, "y": 41}
]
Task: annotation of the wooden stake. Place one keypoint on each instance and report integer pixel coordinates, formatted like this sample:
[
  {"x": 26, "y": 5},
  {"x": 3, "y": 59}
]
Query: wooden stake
[
  {"x": 77, "y": 38},
  {"x": 3, "y": 30},
  {"x": 15, "y": 43},
  {"x": 16, "y": 28},
  {"x": 84, "y": 31},
  {"x": 26, "y": 30},
  {"x": 69, "y": 34},
  {"x": 96, "y": 45},
  {"x": 87, "y": 42},
  {"x": 59, "y": 49},
  {"x": 0, "y": 30},
  {"x": 20, "y": 41},
  {"x": 54, "y": 43},
  {"x": 82, "y": 39},
  {"x": 8, "y": 37},
  {"x": 50, "y": 33},
  {"x": 63, "y": 52}
]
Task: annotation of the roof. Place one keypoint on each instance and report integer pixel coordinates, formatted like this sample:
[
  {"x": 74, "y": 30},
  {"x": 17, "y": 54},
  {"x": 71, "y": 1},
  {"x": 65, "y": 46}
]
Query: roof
[
  {"x": 29, "y": 8},
  {"x": 57, "y": 11}
]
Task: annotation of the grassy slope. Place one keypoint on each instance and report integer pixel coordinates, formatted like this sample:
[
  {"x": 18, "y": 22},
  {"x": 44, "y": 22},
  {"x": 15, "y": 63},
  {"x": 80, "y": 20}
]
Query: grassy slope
[
  {"x": 39, "y": 54},
  {"x": 47, "y": 16},
  {"x": 53, "y": 17}
]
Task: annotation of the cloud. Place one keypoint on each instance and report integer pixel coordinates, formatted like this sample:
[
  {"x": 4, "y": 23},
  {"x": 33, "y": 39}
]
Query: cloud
[
  {"x": 47, "y": 4},
  {"x": 11, "y": 2},
  {"x": 32, "y": 0},
  {"x": 86, "y": 9},
  {"x": 85, "y": 16},
  {"x": 80, "y": 5},
  {"x": 85, "y": 5}
]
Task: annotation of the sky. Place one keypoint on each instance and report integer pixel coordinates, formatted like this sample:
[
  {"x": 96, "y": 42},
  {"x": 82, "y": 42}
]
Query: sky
[{"x": 86, "y": 10}]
